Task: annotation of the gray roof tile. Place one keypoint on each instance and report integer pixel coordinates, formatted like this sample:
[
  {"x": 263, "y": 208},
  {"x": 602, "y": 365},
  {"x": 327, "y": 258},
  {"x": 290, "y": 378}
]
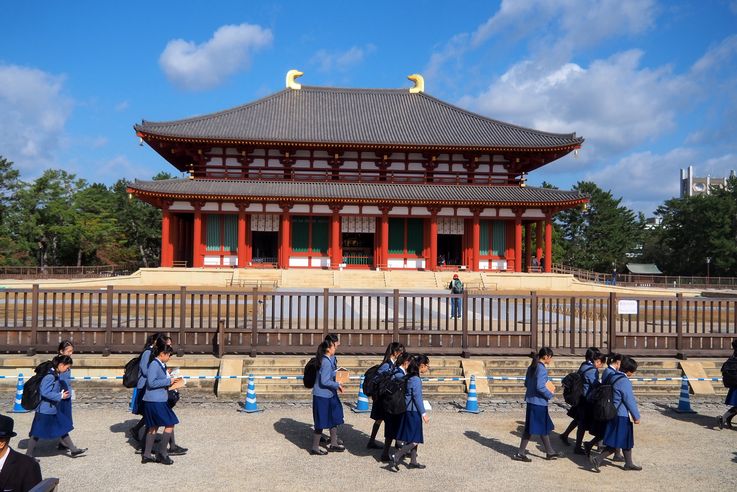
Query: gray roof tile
[{"x": 371, "y": 117}]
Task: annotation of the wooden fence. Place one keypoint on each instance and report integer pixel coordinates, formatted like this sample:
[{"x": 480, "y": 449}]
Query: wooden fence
[{"x": 293, "y": 322}]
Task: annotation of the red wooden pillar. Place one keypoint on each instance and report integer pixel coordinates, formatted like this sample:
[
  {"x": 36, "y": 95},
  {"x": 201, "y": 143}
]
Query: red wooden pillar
[
  {"x": 244, "y": 243},
  {"x": 167, "y": 248},
  {"x": 336, "y": 248},
  {"x": 528, "y": 246},
  {"x": 197, "y": 250},
  {"x": 518, "y": 243},
  {"x": 548, "y": 244},
  {"x": 475, "y": 241},
  {"x": 539, "y": 240},
  {"x": 285, "y": 249},
  {"x": 433, "y": 266},
  {"x": 509, "y": 250},
  {"x": 384, "y": 223}
]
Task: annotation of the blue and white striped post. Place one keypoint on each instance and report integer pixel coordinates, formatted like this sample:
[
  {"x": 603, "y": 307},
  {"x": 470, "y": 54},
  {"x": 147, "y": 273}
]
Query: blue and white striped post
[
  {"x": 472, "y": 401},
  {"x": 251, "y": 405},
  {"x": 362, "y": 405},
  {"x": 17, "y": 407}
]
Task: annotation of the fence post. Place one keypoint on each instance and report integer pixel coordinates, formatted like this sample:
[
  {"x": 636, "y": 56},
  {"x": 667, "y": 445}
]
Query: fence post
[
  {"x": 572, "y": 325},
  {"x": 533, "y": 320},
  {"x": 325, "y": 311},
  {"x": 679, "y": 322},
  {"x": 221, "y": 339},
  {"x": 611, "y": 321},
  {"x": 464, "y": 325},
  {"x": 108, "y": 321},
  {"x": 182, "y": 320},
  {"x": 34, "y": 320},
  {"x": 254, "y": 322},
  {"x": 395, "y": 296}
]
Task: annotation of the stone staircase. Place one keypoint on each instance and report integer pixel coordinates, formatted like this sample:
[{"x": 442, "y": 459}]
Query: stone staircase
[
  {"x": 360, "y": 279},
  {"x": 398, "y": 279}
]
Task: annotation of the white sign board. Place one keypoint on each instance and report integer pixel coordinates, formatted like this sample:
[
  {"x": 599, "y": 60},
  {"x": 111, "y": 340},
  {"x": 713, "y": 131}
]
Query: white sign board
[{"x": 627, "y": 306}]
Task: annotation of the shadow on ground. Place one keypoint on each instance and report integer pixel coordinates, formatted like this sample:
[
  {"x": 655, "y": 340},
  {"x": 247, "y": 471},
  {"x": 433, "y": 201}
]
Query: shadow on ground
[
  {"x": 704, "y": 421},
  {"x": 300, "y": 434}
]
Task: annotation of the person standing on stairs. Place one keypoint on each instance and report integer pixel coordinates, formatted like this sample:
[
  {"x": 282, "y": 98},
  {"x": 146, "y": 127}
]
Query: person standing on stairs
[{"x": 456, "y": 304}]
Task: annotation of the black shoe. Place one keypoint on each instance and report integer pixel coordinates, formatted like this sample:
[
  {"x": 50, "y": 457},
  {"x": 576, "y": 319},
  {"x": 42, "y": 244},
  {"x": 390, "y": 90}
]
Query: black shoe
[
  {"x": 521, "y": 457},
  {"x": 374, "y": 445},
  {"x": 417, "y": 466},
  {"x": 177, "y": 451},
  {"x": 564, "y": 440},
  {"x": 579, "y": 450},
  {"x": 165, "y": 460},
  {"x": 336, "y": 449},
  {"x": 720, "y": 422},
  {"x": 595, "y": 462},
  {"x": 632, "y": 467},
  {"x": 78, "y": 452},
  {"x": 318, "y": 452},
  {"x": 553, "y": 456},
  {"x": 587, "y": 448},
  {"x": 385, "y": 459},
  {"x": 146, "y": 459},
  {"x": 61, "y": 447}
]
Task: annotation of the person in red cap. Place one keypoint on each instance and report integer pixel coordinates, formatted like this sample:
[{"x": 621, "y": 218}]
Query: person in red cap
[
  {"x": 456, "y": 287},
  {"x": 17, "y": 471}
]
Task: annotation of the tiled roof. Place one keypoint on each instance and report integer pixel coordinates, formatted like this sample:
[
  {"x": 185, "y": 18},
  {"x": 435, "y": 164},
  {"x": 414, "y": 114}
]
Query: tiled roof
[
  {"x": 336, "y": 191},
  {"x": 371, "y": 117}
]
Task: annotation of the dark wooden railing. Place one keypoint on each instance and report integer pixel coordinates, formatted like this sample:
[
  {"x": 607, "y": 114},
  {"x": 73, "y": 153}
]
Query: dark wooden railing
[
  {"x": 36, "y": 272},
  {"x": 293, "y": 322},
  {"x": 657, "y": 281}
]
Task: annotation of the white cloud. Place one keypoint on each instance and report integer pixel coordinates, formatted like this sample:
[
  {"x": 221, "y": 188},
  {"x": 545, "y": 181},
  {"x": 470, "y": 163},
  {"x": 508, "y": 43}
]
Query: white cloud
[
  {"x": 207, "y": 65},
  {"x": 122, "y": 106},
  {"x": 35, "y": 110},
  {"x": 341, "y": 60},
  {"x": 614, "y": 103},
  {"x": 716, "y": 56}
]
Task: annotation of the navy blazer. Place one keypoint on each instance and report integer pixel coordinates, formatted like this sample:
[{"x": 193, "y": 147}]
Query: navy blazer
[
  {"x": 590, "y": 376},
  {"x": 385, "y": 367},
  {"x": 20, "y": 472},
  {"x": 536, "y": 392},
  {"x": 325, "y": 385},
  {"x": 609, "y": 370},
  {"x": 624, "y": 397},
  {"x": 143, "y": 363},
  {"x": 50, "y": 393},
  {"x": 413, "y": 397},
  {"x": 158, "y": 381}
]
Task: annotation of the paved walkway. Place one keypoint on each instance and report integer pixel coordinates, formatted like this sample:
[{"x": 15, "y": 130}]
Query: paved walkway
[{"x": 268, "y": 451}]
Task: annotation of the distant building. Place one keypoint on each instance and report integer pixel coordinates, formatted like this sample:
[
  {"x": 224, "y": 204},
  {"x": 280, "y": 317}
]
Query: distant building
[
  {"x": 653, "y": 222},
  {"x": 692, "y": 186}
]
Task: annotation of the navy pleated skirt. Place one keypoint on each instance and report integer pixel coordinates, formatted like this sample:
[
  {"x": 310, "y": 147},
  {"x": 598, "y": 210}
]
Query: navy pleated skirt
[
  {"x": 377, "y": 410},
  {"x": 391, "y": 426},
  {"x": 410, "y": 427},
  {"x": 731, "y": 397},
  {"x": 46, "y": 426},
  {"x": 326, "y": 412},
  {"x": 537, "y": 420},
  {"x": 619, "y": 433},
  {"x": 159, "y": 414}
]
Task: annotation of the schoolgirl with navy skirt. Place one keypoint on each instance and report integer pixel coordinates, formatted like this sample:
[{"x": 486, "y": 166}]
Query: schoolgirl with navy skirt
[
  {"x": 589, "y": 371},
  {"x": 726, "y": 419},
  {"x": 393, "y": 350},
  {"x": 391, "y": 422},
  {"x": 410, "y": 424},
  {"x": 327, "y": 411},
  {"x": 597, "y": 428},
  {"x": 65, "y": 405},
  {"x": 156, "y": 410},
  {"x": 619, "y": 431},
  {"x": 539, "y": 391},
  {"x": 48, "y": 423},
  {"x": 137, "y": 408}
]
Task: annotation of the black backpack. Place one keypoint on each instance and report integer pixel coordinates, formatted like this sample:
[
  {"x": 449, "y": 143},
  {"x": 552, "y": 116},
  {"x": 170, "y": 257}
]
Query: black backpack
[
  {"x": 32, "y": 388},
  {"x": 310, "y": 373},
  {"x": 602, "y": 400},
  {"x": 131, "y": 372},
  {"x": 392, "y": 394},
  {"x": 729, "y": 373},
  {"x": 573, "y": 385},
  {"x": 456, "y": 286},
  {"x": 369, "y": 380}
]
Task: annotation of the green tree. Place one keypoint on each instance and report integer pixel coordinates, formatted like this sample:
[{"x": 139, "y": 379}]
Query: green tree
[
  {"x": 11, "y": 253},
  {"x": 600, "y": 235},
  {"x": 141, "y": 222}
]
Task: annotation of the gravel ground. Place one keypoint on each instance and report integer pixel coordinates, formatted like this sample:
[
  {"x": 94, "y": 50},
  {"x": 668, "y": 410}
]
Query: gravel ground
[{"x": 268, "y": 451}]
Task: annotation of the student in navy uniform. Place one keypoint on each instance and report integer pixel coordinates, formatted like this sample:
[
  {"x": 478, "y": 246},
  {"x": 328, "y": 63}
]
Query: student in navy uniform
[
  {"x": 597, "y": 429},
  {"x": 410, "y": 425},
  {"x": 589, "y": 371},
  {"x": 65, "y": 406},
  {"x": 391, "y": 422},
  {"x": 156, "y": 410},
  {"x": 726, "y": 419},
  {"x": 137, "y": 408},
  {"x": 48, "y": 423},
  {"x": 327, "y": 412},
  {"x": 393, "y": 350},
  {"x": 17, "y": 472},
  {"x": 539, "y": 392},
  {"x": 619, "y": 431}
]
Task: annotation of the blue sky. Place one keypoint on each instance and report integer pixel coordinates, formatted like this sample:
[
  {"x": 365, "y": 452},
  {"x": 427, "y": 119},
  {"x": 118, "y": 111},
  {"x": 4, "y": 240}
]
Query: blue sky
[{"x": 652, "y": 86}]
